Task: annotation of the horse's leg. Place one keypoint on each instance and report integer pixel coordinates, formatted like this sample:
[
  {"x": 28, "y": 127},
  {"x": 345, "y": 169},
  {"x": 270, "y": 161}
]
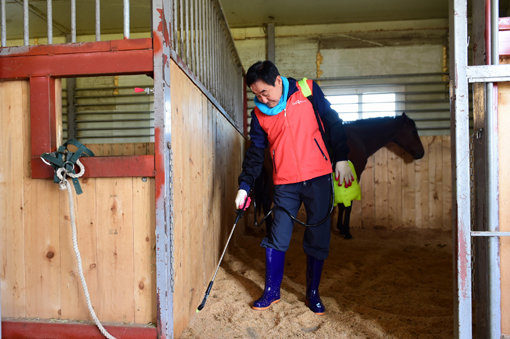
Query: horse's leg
[
  {"x": 347, "y": 220},
  {"x": 339, "y": 222}
]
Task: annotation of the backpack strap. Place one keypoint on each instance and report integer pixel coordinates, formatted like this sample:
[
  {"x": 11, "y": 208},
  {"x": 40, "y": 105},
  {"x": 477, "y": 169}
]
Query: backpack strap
[{"x": 307, "y": 92}]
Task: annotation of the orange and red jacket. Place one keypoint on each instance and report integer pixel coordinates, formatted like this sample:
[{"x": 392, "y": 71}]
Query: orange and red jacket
[{"x": 297, "y": 149}]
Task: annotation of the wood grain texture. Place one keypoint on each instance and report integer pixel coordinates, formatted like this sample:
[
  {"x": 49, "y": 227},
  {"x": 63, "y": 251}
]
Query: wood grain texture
[
  {"x": 504, "y": 197},
  {"x": 114, "y": 219},
  {"x": 399, "y": 192},
  {"x": 13, "y": 174},
  {"x": 207, "y": 160}
]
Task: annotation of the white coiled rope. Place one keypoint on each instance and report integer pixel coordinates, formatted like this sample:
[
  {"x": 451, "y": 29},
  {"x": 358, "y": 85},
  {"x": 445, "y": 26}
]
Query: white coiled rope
[{"x": 64, "y": 184}]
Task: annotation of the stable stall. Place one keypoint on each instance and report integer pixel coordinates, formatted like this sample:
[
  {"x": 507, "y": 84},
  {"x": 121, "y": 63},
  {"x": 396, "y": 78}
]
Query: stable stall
[{"x": 155, "y": 210}]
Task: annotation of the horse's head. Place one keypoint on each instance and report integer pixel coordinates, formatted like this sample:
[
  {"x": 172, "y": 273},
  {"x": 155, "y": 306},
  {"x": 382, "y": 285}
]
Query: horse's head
[{"x": 407, "y": 137}]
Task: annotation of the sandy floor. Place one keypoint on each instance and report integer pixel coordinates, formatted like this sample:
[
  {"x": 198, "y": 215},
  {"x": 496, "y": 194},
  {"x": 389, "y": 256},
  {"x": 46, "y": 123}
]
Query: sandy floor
[{"x": 381, "y": 284}]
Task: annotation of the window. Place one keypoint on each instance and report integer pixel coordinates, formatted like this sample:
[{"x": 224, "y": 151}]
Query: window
[
  {"x": 364, "y": 105},
  {"x": 108, "y": 109}
]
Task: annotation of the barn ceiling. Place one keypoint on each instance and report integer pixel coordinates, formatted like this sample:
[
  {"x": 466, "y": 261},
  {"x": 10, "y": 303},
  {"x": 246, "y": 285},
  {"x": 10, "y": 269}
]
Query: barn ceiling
[
  {"x": 238, "y": 13},
  {"x": 300, "y": 12}
]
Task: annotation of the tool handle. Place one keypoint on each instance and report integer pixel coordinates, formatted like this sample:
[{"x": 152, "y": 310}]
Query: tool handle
[
  {"x": 246, "y": 204},
  {"x": 202, "y": 304},
  {"x": 239, "y": 215}
]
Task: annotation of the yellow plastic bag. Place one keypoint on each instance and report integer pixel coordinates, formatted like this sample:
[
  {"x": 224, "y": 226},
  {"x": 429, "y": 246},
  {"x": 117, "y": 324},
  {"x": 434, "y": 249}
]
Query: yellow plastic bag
[{"x": 345, "y": 195}]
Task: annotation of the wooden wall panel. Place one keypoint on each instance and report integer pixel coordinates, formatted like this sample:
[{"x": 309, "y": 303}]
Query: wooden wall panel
[
  {"x": 381, "y": 187},
  {"x": 115, "y": 226},
  {"x": 422, "y": 185},
  {"x": 13, "y": 173},
  {"x": 207, "y": 160},
  {"x": 435, "y": 179},
  {"x": 398, "y": 192},
  {"x": 394, "y": 187},
  {"x": 42, "y": 249},
  {"x": 143, "y": 148},
  {"x": 144, "y": 251},
  {"x": 409, "y": 193},
  {"x": 73, "y": 305},
  {"x": 447, "y": 182},
  {"x": 504, "y": 197}
]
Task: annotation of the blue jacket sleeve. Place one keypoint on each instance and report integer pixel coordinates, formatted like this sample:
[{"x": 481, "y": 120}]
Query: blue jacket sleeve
[
  {"x": 254, "y": 158},
  {"x": 333, "y": 125}
]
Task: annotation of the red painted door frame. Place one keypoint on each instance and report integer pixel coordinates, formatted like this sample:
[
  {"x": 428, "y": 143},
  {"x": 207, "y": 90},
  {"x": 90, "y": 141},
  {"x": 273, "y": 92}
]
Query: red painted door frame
[
  {"x": 41, "y": 330},
  {"x": 42, "y": 64}
]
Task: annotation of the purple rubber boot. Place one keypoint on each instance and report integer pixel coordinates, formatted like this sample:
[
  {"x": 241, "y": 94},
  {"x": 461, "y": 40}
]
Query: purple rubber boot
[
  {"x": 274, "y": 276},
  {"x": 313, "y": 278}
]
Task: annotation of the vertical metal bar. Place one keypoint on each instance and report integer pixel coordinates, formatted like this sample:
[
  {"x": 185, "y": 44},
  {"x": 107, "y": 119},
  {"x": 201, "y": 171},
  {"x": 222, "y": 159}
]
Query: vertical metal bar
[
  {"x": 216, "y": 52},
  {"x": 175, "y": 27},
  {"x": 187, "y": 32},
  {"x": 213, "y": 84},
  {"x": 73, "y": 20},
  {"x": 71, "y": 108},
  {"x": 219, "y": 51},
  {"x": 222, "y": 62},
  {"x": 26, "y": 34},
  {"x": 126, "y": 19},
  {"x": 164, "y": 170},
  {"x": 205, "y": 51},
  {"x": 492, "y": 184},
  {"x": 221, "y": 58},
  {"x": 98, "y": 20},
  {"x": 49, "y": 20},
  {"x": 460, "y": 176},
  {"x": 4, "y": 28},
  {"x": 479, "y": 155},
  {"x": 191, "y": 63},
  {"x": 181, "y": 37},
  {"x": 209, "y": 38},
  {"x": 203, "y": 55},
  {"x": 197, "y": 38},
  {"x": 270, "y": 42}
]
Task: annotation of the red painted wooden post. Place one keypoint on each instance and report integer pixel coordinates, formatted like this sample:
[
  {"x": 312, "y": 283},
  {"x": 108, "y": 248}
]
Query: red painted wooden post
[
  {"x": 42, "y": 114},
  {"x": 43, "y": 64}
]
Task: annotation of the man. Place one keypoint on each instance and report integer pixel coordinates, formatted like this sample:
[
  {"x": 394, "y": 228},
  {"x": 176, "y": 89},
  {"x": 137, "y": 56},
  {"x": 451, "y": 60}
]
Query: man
[{"x": 285, "y": 121}]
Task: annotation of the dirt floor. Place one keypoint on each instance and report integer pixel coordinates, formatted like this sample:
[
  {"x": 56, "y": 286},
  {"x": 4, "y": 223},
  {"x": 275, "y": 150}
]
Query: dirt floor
[{"x": 381, "y": 284}]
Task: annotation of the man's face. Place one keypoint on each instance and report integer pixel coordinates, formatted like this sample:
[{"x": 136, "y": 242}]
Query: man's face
[{"x": 267, "y": 94}]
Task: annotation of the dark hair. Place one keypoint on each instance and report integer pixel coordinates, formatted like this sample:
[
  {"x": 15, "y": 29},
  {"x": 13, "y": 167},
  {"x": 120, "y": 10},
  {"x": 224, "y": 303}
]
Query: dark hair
[{"x": 262, "y": 70}]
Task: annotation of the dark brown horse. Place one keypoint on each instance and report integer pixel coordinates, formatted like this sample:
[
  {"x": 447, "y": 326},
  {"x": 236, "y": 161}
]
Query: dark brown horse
[{"x": 364, "y": 138}]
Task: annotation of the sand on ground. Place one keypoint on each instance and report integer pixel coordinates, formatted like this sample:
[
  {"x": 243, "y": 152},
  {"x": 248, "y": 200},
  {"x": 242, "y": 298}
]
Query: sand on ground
[{"x": 381, "y": 284}]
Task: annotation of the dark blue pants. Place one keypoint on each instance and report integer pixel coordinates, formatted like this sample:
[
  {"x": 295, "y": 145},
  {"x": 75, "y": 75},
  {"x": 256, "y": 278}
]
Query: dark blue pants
[{"x": 315, "y": 194}]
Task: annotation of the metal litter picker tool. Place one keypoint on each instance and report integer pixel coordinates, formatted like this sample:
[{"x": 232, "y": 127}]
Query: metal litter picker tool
[{"x": 240, "y": 213}]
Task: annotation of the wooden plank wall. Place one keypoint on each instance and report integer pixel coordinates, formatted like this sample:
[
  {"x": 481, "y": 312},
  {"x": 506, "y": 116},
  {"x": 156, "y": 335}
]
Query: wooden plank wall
[
  {"x": 397, "y": 192},
  {"x": 115, "y": 222},
  {"x": 504, "y": 197},
  {"x": 122, "y": 149},
  {"x": 207, "y": 152}
]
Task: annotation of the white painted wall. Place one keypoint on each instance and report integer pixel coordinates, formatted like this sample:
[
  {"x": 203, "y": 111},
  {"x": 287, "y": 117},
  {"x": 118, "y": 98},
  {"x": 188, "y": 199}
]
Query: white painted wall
[
  {"x": 416, "y": 47},
  {"x": 381, "y": 60},
  {"x": 352, "y": 50}
]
